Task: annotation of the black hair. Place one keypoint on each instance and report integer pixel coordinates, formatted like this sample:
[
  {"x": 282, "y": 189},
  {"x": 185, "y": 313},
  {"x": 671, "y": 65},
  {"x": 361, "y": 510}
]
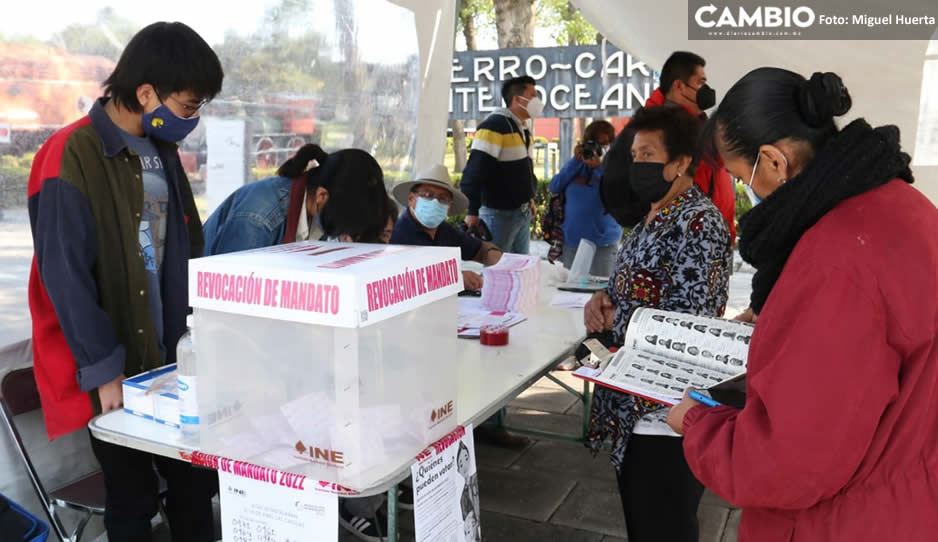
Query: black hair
[
  {"x": 598, "y": 127},
  {"x": 357, "y": 204},
  {"x": 515, "y": 87},
  {"x": 615, "y": 188},
  {"x": 297, "y": 164},
  {"x": 681, "y": 65},
  {"x": 770, "y": 104},
  {"x": 390, "y": 212},
  {"x": 679, "y": 129},
  {"x": 393, "y": 210},
  {"x": 170, "y": 56}
]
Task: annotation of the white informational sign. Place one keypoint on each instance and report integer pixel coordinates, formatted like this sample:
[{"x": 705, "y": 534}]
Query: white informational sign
[
  {"x": 266, "y": 505},
  {"x": 4, "y": 132},
  {"x": 446, "y": 490},
  {"x": 225, "y": 161}
]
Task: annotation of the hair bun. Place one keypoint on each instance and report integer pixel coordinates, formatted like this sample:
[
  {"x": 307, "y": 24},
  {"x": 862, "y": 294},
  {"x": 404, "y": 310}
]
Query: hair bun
[
  {"x": 822, "y": 98},
  {"x": 296, "y": 165}
]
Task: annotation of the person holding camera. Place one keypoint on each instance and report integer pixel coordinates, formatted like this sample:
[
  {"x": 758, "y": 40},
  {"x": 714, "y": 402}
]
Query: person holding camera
[{"x": 584, "y": 217}]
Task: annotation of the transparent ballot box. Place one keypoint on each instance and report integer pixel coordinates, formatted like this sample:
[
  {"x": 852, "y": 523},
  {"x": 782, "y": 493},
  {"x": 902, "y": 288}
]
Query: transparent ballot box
[{"x": 342, "y": 374}]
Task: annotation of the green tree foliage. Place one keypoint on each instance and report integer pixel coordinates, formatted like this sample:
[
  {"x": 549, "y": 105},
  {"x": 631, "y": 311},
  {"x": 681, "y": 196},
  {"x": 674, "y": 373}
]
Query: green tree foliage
[
  {"x": 281, "y": 55},
  {"x": 566, "y": 22},
  {"x": 472, "y": 15},
  {"x": 106, "y": 37},
  {"x": 253, "y": 68}
]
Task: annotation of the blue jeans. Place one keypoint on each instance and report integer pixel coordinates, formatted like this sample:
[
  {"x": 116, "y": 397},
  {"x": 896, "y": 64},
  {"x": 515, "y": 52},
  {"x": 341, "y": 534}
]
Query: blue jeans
[
  {"x": 511, "y": 228},
  {"x": 604, "y": 262}
]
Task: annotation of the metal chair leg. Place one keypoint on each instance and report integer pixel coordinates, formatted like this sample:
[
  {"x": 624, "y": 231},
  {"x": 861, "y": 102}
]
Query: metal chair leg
[
  {"x": 392, "y": 514},
  {"x": 56, "y": 524},
  {"x": 80, "y": 528}
]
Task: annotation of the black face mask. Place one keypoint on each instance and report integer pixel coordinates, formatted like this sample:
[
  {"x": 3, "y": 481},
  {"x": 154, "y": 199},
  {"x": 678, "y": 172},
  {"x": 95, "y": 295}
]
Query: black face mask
[
  {"x": 706, "y": 97},
  {"x": 648, "y": 181}
]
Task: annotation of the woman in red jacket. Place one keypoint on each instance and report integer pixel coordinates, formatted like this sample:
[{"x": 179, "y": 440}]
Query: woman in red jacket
[{"x": 839, "y": 437}]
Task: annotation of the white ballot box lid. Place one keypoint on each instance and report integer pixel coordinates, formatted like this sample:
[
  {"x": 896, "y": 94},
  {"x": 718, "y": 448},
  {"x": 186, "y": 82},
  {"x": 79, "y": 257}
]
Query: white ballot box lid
[{"x": 332, "y": 284}]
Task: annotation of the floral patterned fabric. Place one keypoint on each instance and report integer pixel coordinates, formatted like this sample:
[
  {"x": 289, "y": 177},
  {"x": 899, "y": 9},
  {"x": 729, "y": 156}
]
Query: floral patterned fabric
[{"x": 680, "y": 262}]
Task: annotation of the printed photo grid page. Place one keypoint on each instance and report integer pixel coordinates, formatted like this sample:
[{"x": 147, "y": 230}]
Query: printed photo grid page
[{"x": 667, "y": 352}]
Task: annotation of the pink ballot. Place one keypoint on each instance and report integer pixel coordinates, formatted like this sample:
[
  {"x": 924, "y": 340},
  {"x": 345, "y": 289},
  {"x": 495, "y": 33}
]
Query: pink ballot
[{"x": 512, "y": 284}]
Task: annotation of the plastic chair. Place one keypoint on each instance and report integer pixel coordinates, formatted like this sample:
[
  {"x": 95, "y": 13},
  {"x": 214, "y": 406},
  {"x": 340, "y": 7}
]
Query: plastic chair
[
  {"x": 19, "y": 395},
  {"x": 16, "y": 521}
]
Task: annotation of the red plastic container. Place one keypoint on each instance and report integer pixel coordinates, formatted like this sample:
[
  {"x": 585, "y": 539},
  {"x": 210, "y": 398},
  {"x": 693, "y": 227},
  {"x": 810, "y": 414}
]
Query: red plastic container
[{"x": 493, "y": 335}]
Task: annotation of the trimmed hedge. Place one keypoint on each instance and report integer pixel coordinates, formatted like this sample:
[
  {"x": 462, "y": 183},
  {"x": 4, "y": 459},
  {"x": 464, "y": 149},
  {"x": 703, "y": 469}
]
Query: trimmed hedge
[{"x": 14, "y": 178}]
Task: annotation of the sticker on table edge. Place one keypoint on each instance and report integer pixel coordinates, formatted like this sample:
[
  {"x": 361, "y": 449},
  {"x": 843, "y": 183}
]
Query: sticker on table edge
[{"x": 214, "y": 462}]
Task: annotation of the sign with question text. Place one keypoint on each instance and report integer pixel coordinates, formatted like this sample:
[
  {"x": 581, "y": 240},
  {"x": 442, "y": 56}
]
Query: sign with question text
[{"x": 446, "y": 490}]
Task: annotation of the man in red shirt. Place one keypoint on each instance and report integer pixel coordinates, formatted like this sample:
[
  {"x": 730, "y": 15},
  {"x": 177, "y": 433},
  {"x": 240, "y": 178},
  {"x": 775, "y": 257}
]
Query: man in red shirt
[{"x": 684, "y": 83}]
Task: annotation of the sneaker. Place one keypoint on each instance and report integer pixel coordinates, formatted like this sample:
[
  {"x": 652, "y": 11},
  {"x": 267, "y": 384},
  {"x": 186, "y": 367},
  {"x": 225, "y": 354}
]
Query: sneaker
[
  {"x": 405, "y": 498},
  {"x": 368, "y": 530},
  {"x": 499, "y": 438}
]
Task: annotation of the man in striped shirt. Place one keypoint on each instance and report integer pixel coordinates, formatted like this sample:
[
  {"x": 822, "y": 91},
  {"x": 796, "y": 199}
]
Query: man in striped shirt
[{"x": 499, "y": 175}]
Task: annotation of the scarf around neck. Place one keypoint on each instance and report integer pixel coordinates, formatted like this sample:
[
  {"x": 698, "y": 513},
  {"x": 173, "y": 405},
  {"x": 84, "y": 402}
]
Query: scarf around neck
[{"x": 858, "y": 159}]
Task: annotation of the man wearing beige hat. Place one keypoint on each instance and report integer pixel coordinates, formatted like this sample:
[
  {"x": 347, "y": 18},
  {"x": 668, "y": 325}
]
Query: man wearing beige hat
[{"x": 429, "y": 199}]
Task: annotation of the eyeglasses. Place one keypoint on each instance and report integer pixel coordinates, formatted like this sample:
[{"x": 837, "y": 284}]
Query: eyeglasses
[
  {"x": 189, "y": 110},
  {"x": 445, "y": 199}
]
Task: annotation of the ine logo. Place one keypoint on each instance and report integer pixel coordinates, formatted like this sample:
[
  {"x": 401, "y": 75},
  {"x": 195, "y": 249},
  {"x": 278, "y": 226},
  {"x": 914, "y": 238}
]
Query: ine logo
[
  {"x": 759, "y": 17},
  {"x": 320, "y": 454},
  {"x": 440, "y": 414}
]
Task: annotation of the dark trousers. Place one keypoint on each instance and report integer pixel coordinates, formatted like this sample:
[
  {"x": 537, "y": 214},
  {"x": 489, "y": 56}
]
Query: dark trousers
[
  {"x": 133, "y": 495},
  {"x": 658, "y": 490}
]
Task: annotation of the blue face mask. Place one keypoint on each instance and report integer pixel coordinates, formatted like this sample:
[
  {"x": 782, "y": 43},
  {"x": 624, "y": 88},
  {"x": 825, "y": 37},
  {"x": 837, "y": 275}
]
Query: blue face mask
[
  {"x": 165, "y": 125},
  {"x": 753, "y": 197},
  {"x": 430, "y": 212}
]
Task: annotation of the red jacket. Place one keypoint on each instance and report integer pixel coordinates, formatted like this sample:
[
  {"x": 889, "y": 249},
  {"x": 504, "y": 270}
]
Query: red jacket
[
  {"x": 839, "y": 437},
  {"x": 711, "y": 177}
]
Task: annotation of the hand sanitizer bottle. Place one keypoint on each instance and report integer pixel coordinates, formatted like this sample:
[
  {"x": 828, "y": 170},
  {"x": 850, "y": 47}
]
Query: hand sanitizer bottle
[{"x": 187, "y": 371}]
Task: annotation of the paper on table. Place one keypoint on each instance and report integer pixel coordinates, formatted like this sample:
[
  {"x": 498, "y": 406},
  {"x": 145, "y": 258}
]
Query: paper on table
[
  {"x": 469, "y": 304},
  {"x": 570, "y": 300},
  {"x": 469, "y": 323}
]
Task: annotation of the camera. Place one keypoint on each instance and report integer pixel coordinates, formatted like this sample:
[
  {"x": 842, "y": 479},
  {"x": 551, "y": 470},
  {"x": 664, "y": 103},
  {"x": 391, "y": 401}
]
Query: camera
[{"x": 592, "y": 149}]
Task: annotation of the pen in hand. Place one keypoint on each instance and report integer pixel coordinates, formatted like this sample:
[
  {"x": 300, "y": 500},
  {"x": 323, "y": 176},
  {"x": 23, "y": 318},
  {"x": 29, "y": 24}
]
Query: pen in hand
[{"x": 704, "y": 399}]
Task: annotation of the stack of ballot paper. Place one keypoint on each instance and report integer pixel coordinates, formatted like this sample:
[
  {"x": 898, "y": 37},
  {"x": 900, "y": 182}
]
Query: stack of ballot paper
[{"x": 512, "y": 284}]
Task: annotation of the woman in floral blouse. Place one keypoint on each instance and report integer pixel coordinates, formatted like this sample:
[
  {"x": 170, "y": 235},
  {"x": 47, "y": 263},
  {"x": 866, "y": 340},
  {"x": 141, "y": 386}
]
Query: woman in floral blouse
[{"x": 678, "y": 259}]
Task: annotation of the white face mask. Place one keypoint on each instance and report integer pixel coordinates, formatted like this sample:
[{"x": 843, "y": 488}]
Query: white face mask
[{"x": 534, "y": 107}]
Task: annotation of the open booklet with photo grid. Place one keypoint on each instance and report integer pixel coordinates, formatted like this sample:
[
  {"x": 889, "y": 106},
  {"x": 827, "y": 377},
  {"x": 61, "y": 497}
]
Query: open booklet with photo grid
[{"x": 667, "y": 352}]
